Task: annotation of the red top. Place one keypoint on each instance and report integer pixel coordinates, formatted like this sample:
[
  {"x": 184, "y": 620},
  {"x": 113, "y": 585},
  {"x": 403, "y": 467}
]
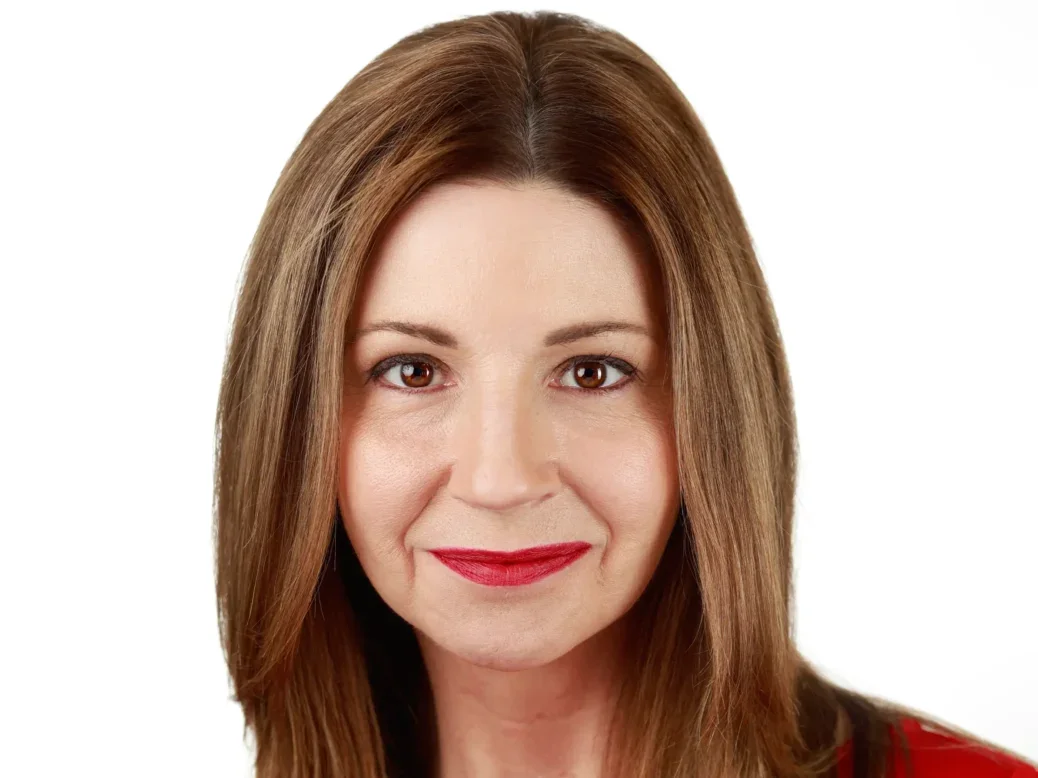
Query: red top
[{"x": 937, "y": 755}]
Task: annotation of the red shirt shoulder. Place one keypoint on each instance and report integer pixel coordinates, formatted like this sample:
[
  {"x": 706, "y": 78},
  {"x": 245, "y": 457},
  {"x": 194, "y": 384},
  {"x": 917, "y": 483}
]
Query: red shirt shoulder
[{"x": 939, "y": 755}]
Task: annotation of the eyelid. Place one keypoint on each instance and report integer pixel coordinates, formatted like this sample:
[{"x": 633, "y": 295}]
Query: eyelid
[
  {"x": 402, "y": 359},
  {"x": 630, "y": 372}
]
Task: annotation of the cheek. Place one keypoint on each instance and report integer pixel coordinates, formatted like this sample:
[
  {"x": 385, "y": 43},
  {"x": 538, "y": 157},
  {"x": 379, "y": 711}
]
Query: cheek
[
  {"x": 627, "y": 473},
  {"x": 387, "y": 474}
]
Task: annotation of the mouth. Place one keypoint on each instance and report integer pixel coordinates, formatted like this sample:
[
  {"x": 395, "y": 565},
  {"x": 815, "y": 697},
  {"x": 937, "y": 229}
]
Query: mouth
[{"x": 510, "y": 568}]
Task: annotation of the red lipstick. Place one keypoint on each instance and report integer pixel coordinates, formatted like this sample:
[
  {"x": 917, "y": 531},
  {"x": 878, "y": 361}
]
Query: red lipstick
[{"x": 510, "y": 568}]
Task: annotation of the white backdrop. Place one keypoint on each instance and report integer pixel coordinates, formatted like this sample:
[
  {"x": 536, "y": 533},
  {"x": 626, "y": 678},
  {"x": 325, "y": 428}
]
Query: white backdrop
[{"x": 884, "y": 155}]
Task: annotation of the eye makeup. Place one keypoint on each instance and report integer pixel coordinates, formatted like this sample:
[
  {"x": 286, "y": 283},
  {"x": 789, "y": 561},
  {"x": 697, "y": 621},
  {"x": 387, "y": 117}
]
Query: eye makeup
[{"x": 628, "y": 371}]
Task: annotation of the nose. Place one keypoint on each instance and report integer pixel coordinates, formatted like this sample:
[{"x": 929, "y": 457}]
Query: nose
[{"x": 503, "y": 449}]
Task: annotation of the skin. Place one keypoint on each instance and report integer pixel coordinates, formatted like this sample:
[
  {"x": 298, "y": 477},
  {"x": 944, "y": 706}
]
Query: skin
[{"x": 501, "y": 448}]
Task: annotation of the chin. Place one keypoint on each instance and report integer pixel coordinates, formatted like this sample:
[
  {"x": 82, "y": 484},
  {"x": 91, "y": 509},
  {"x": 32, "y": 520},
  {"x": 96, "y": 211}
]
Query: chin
[{"x": 506, "y": 650}]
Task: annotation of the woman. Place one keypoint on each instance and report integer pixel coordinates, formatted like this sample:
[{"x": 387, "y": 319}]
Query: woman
[{"x": 507, "y": 448}]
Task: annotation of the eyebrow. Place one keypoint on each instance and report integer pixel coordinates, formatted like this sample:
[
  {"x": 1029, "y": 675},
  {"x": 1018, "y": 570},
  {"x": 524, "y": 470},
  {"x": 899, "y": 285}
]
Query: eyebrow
[{"x": 558, "y": 337}]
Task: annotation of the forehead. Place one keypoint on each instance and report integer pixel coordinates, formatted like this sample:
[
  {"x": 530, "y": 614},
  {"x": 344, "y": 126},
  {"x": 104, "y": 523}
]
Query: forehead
[{"x": 526, "y": 250}]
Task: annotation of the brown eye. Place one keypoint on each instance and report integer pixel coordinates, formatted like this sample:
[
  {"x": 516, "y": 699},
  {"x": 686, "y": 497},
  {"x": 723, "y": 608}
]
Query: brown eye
[
  {"x": 416, "y": 375},
  {"x": 593, "y": 374},
  {"x": 589, "y": 375}
]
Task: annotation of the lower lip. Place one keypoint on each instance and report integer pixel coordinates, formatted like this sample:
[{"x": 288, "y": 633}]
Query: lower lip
[{"x": 510, "y": 574}]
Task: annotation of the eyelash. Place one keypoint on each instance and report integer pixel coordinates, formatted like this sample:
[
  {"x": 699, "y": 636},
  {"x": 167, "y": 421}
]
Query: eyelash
[{"x": 630, "y": 372}]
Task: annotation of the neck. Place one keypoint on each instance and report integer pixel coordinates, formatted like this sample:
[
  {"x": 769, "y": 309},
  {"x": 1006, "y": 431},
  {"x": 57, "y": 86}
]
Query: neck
[{"x": 551, "y": 720}]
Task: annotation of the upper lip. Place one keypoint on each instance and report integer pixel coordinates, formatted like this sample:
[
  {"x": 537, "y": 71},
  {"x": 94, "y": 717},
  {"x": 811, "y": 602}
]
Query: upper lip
[{"x": 533, "y": 554}]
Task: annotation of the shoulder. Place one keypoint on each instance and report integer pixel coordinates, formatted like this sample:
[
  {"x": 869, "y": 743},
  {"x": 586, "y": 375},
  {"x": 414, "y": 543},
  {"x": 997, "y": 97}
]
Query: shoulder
[{"x": 937, "y": 754}]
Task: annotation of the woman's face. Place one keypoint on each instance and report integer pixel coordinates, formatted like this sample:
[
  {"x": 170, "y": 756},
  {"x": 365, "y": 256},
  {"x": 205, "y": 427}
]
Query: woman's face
[{"x": 498, "y": 432}]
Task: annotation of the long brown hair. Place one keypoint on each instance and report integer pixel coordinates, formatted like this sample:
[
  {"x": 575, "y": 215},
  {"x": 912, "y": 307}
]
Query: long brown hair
[{"x": 330, "y": 680}]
